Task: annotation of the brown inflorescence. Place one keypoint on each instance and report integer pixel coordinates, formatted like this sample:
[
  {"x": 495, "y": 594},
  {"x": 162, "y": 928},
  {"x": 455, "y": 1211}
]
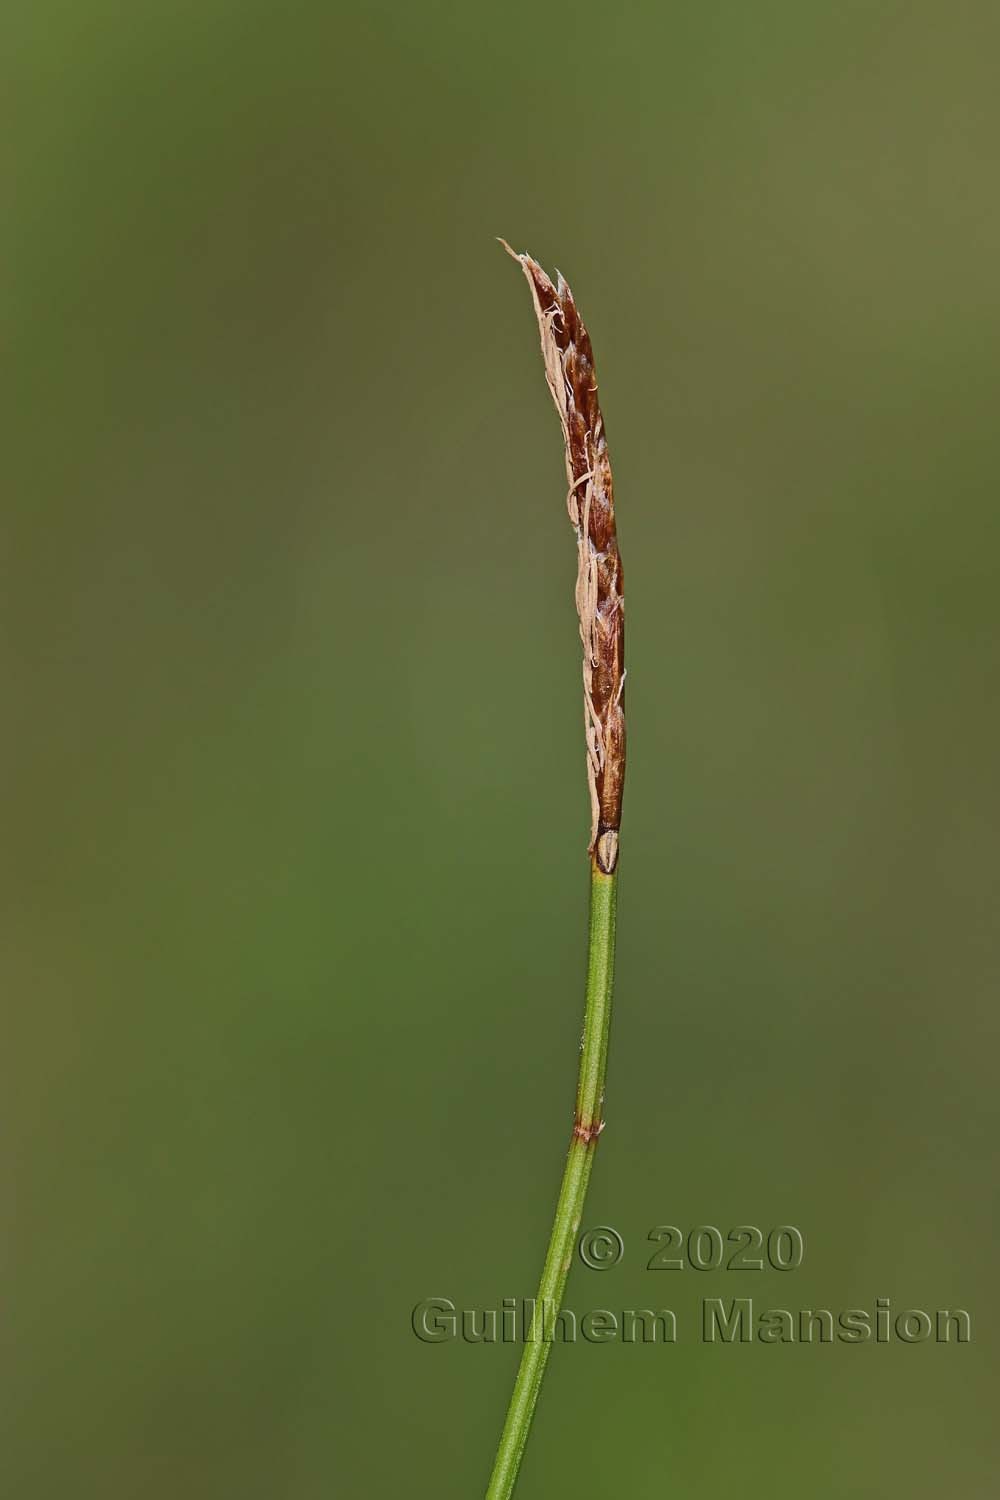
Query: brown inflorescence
[{"x": 569, "y": 370}]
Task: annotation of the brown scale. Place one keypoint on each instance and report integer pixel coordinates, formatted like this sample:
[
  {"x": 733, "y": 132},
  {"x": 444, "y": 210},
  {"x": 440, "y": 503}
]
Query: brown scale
[{"x": 569, "y": 370}]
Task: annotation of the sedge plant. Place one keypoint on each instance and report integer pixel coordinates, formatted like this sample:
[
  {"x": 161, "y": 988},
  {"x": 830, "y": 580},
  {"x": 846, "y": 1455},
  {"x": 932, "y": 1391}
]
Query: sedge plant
[{"x": 569, "y": 371}]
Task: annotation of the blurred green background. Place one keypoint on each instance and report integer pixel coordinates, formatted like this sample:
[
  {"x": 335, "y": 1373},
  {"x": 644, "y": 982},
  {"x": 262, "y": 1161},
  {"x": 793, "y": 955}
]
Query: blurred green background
[{"x": 295, "y": 882}]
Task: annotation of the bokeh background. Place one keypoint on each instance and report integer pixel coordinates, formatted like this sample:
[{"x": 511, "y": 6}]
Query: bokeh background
[{"x": 294, "y": 852}]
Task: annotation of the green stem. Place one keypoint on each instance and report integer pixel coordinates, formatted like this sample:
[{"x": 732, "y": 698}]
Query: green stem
[{"x": 569, "y": 1208}]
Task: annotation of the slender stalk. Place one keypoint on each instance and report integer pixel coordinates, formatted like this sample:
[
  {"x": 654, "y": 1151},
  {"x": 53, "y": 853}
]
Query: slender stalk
[
  {"x": 569, "y": 1207},
  {"x": 569, "y": 370}
]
